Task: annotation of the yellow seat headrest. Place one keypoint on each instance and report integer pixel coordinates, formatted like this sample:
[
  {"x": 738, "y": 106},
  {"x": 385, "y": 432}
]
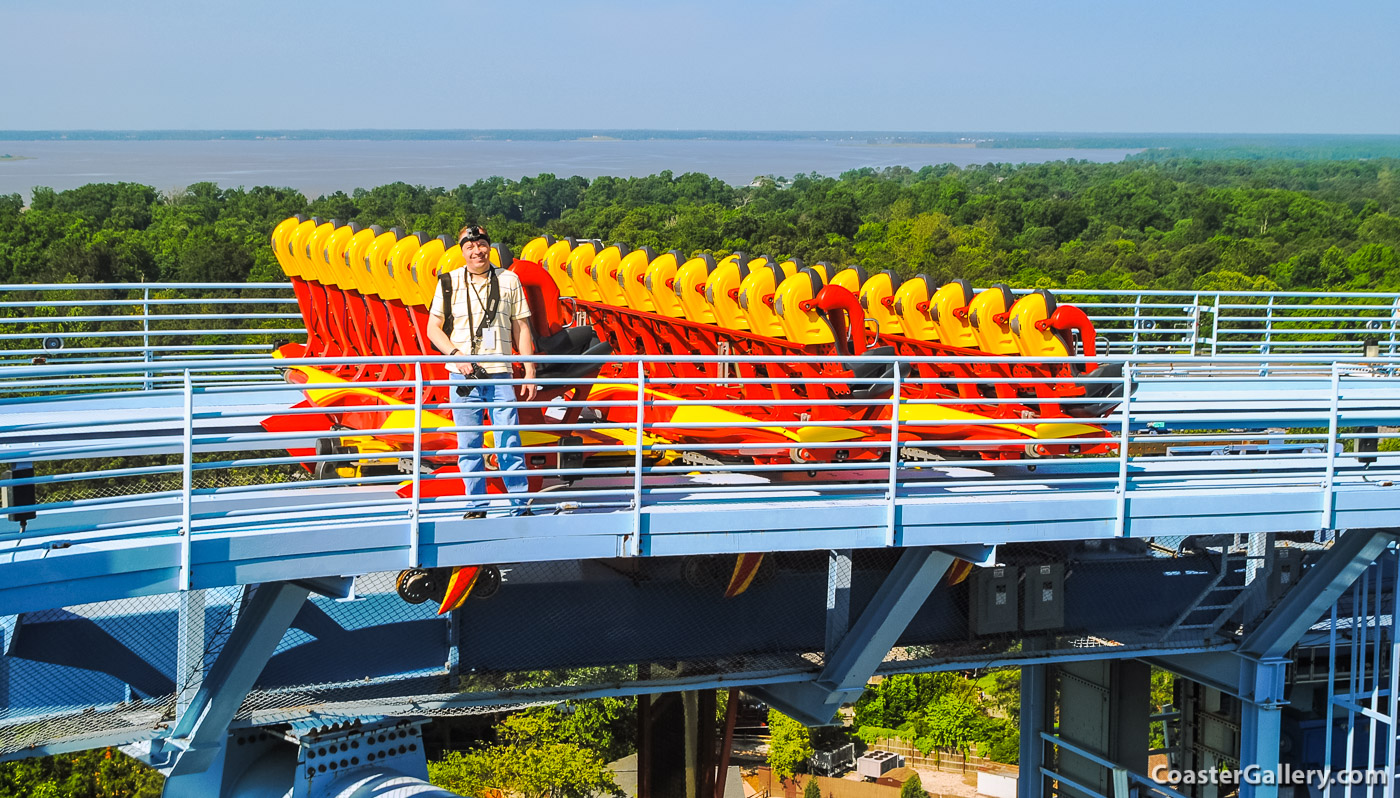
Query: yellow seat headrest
[
  {"x": 801, "y": 322},
  {"x": 877, "y": 300},
  {"x": 690, "y": 288},
  {"x": 281, "y": 237},
  {"x": 661, "y": 284},
  {"x": 757, "y": 296},
  {"x": 1031, "y": 339},
  {"x": 603, "y": 271},
  {"x": 850, "y": 278},
  {"x": 988, "y": 316},
  {"x": 911, "y": 307},
  {"x": 722, "y": 292},
  {"x": 555, "y": 262},
  {"x": 423, "y": 271},
  {"x": 949, "y": 310},
  {"x": 632, "y": 279},
  {"x": 536, "y": 248},
  {"x": 578, "y": 264}
]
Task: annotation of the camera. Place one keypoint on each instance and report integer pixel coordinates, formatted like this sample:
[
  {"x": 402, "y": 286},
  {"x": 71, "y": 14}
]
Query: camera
[{"x": 478, "y": 373}]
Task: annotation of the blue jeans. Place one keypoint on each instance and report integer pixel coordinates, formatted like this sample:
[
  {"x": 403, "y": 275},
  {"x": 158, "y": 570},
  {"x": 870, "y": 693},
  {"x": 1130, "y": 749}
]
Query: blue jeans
[{"x": 473, "y": 465}]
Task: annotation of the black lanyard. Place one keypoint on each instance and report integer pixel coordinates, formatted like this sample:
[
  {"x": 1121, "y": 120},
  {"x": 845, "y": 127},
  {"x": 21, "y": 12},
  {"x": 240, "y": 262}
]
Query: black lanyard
[{"x": 493, "y": 301}]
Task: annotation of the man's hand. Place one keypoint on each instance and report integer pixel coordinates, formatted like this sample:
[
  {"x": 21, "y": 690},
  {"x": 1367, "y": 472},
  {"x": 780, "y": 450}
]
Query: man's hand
[{"x": 529, "y": 389}]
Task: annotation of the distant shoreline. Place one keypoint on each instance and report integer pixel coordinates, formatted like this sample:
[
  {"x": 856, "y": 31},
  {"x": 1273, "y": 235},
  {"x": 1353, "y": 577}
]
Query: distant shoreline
[
  {"x": 4, "y": 158},
  {"x": 1366, "y": 144}
]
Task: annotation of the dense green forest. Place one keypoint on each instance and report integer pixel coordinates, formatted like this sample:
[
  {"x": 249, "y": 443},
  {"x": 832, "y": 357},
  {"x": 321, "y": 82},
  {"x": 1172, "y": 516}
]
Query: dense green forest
[{"x": 1202, "y": 223}]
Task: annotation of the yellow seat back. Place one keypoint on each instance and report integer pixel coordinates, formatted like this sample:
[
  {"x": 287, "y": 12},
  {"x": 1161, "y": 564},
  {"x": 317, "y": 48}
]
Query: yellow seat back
[
  {"x": 536, "y": 248},
  {"x": 500, "y": 256},
  {"x": 690, "y": 288},
  {"x": 719, "y": 284},
  {"x": 281, "y": 237},
  {"x": 912, "y": 308},
  {"x": 555, "y": 262},
  {"x": 661, "y": 285},
  {"x": 603, "y": 272},
  {"x": 877, "y": 299},
  {"x": 850, "y": 278},
  {"x": 421, "y": 271},
  {"x": 988, "y": 317},
  {"x": 757, "y": 295},
  {"x": 1032, "y": 341},
  {"x": 452, "y": 259},
  {"x": 632, "y": 279},
  {"x": 803, "y": 325},
  {"x": 949, "y": 308},
  {"x": 579, "y": 261},
  {"x": 352, "y": 253},
  {"x": 399, "y": 266},
  {"x": 315, "y": 244},
  {"x": 296, "y": 248},
  {"x": 331, "y": 260},
  {"x": 372, "y": 274}
]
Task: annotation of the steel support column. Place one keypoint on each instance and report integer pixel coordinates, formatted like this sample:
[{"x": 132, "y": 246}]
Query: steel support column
[
  {"x": 1261, "y": 716},
  {"x": 906, "y": 588},
  {"x": 203, "y": 729},
  {"x": 1035, "y": 718}
]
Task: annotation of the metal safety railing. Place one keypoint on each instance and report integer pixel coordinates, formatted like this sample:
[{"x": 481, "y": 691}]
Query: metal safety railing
[
  {"x": 219, "y": 446},
  {"x": 155, "y": 321}
]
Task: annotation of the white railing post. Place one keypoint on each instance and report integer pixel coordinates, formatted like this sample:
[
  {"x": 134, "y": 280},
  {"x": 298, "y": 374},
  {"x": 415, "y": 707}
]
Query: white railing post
[
  {"x": 1120, "y": 523},
  {"x": 1394, "y": 315},
  {"x": 1137, "y": 321},
  {"x": 893, "y": 490},
  {"x": 1268, "y": 327},
  {"x": 634, "y": 547},
  {"x": 146, "y": 331},
  {"x": 187, "y": 483},
  {"x": 1215, "y": 326},
  {"x": 1331, "y": 449},
  {"x": 1195, "y": 323},
  {"x": 414, "y": 558}
]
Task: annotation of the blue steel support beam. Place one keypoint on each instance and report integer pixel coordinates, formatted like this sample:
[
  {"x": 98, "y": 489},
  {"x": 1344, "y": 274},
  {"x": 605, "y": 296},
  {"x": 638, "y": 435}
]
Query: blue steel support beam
[
  {"x": 203, "y": 728},
  {"x": 1220, "y": 670},
  {"x": 864, "y": 647},
  {"x": 336, "y": 587},
  {"x": 1261, "y": 721},
  {"x": 1319, "y": 588},
  {"x": 1034, "y": 705}
]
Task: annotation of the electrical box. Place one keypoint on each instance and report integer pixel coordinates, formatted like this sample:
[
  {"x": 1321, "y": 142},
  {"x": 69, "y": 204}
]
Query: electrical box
[
  {"x": 1288, "y": 568},
  {"x": 1044, "y": 595},
  {"x": 993, "y": 608},
  {"x": 18, "y": 495}
]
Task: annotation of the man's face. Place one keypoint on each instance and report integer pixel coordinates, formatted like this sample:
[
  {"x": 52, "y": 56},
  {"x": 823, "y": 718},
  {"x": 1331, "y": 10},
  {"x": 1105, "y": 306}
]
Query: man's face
[{"x": 477, "y": 253}]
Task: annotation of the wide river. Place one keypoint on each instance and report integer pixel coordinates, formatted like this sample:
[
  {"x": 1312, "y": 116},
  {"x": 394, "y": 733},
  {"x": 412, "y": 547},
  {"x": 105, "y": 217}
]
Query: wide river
[{"x": 322, "y": 167}]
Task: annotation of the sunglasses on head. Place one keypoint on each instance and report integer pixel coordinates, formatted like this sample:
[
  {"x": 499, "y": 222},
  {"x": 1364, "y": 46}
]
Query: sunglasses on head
[{"x": 471, "y": 235}]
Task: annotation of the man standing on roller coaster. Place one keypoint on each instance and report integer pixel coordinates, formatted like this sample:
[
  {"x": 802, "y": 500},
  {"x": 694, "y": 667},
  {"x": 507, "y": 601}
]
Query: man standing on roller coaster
[{"x": 491, "y": 318}]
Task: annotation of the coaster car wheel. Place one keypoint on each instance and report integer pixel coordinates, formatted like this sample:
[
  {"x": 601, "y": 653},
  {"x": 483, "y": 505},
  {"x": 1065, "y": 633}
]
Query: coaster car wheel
[
  {"x": 704, "y": 571},
  {"x": 488, "y": 582},
  {"x": 417, "y": 585}
]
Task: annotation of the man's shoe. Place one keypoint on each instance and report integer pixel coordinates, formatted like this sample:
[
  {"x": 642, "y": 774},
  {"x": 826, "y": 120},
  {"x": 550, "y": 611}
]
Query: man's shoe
[
  {"x": 525, "y": 511},
  {"x": 475, "y": 514}
]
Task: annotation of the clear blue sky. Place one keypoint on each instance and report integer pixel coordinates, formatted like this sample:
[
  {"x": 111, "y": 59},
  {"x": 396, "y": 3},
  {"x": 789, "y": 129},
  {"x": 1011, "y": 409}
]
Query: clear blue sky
[{"x": 1280, "y": 66}]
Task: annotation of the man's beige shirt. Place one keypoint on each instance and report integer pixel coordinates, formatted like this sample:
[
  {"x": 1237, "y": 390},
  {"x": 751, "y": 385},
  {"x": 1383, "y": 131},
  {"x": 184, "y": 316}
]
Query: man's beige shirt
[{"x": 464, "y": 319}]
